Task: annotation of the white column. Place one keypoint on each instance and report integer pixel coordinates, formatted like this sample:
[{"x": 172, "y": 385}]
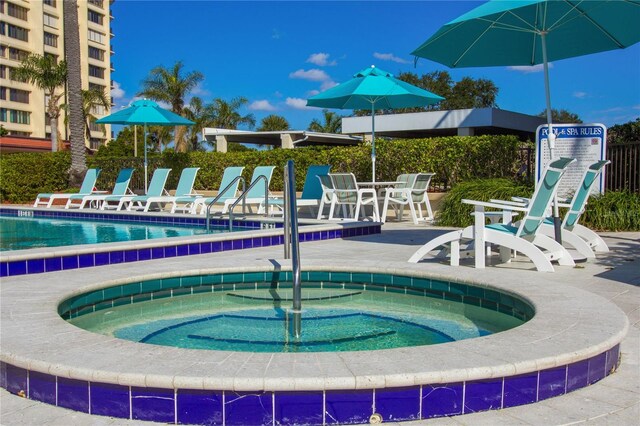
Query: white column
[
  {"x": 466, "y": 131},
  {"x": 221, "y": 143},
  {"x": 286, "y": 141}
]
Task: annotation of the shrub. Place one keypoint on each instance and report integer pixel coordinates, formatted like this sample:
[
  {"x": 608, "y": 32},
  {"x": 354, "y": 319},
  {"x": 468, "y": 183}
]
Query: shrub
[
  {"x": 613, "y": 211},
  {"x": 24, "y": 175},
  {"x": 456, "y": 213}
]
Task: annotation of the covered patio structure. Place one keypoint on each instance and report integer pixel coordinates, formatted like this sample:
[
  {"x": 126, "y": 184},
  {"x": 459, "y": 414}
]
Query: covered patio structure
[{"x": 283, "y": 139}]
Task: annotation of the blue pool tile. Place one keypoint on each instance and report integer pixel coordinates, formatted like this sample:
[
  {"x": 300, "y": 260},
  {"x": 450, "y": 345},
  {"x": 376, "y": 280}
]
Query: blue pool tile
[
  {"x": 190, "y": 281},
  {"x": 552, "y": 382},
  {"x": 227, "y": 245},
  {"x": 17, "y": 268},
  {"x": 216, "y": 246},
  {"x": 182, "y": 250},
  {"x": 35, "y": 266},
  {"x": 170, "y": 251},
  {"x": 70, "y": 262},
  {"x": 236, "y": 244},
  {"x": 257, "y": 242},
  {"x": 3, "y": 375},
  {"x": 318, "y": 276},
  {"x": 332, "y": 234},
  {"x": 131, "y": 256},
  {"x": 199, "y": 407},
  {"x": 252, "y": 277},
  {"x": 348, "y": 407},
  {"x": 481, "y": 395},
  {"x": 248, "y": 408},
  {"x": 597, "y": 366},
  {"x": 16, "y": 379},
  {"x": 298, "y": 408},
  {"x": 205, "y": 248},
  {"x": 86, "y": 260},
  {"x": 4, "y": 269},
  {"x": 153, "y": 404},
  {"x": 174, "y": 282},
  {"x": 194, "y": 248},
  {"x": 52, "y": 264},
  {"x": 73, "y": 394},
  {"x": 442, "y": 400},
  {"x": 401, "y": 281},
  {"x": 144, "y": 254},
  {"x": 577, "y": 375},
  {"x": 112, "y": 292},
  {"x": 520, "y": 390},
  {"x": 116, "y": 257},
  {"x": 110, "y": 400},
  {"x": 157, "y": 252},
  {"x": 101, "y": 259},
  {"x": 398, "y": 404},
  {"x": 151, "y": 285},
  {"x": 266, "y": 241},
  {"x": 247, "y": 243},
  {"x": 612, "y": 359}
]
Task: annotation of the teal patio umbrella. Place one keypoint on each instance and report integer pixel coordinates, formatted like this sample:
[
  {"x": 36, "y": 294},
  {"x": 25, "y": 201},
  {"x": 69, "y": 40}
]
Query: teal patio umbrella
[
  {"x": 145, "y": 112},
  {"x": 373, "y": 89},
  {"x": 533, "y": 32}
]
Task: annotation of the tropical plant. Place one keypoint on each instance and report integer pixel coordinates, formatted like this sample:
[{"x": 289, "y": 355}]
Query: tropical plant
[
  {"x": 172, "y": 86},
  {"x": 74, "y": 93},
  {"x": 624, "y": 133},
  {"x": 202, "y": 115},
  {"x": 46, "y": 74},
  {"x": 91, "y": 99},
  {"x": 273, "y": 123},
  {"x": 226, "y": 115},
  {"x": 332, "y": 123},
  {"x": 561, "y": 116}
]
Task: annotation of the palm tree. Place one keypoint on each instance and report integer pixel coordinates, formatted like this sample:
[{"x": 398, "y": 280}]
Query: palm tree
[
  {"x": 332, "y": 123},
  {"x": 74, "y": 93},
  {"x": 226, "y": 115},
  {"x": 202, "y": 116},
  {"x": 272, "y": 123},
  {"x": 91, "y": 99},
  {"x": 47, "y": 75},
  {"x": 172, "y": 86}
]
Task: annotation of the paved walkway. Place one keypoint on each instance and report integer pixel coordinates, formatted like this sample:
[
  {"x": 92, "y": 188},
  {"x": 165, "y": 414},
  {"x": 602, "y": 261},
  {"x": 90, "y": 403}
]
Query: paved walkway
[{"x": 615, "y": 276}]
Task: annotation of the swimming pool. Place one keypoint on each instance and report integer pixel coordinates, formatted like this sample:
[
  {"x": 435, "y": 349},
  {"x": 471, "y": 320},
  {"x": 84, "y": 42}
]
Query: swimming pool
[{"x": 20, "y": 233}]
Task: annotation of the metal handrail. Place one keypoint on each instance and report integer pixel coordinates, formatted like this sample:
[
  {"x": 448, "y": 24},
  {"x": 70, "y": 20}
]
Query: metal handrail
[
  {"x": 220, "y": 194},
  {"x": 243, "y": 197},
  {"x": 291, "y": 223}
]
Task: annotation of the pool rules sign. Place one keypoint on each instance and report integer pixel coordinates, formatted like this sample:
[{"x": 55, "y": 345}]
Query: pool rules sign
[{"x": 584, "y": 142}]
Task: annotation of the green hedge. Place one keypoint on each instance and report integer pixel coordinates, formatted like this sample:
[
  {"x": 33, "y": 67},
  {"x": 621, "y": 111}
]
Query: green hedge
[
  {"x": 613, "y": 211},
  {"x": 453, "y": 159}
]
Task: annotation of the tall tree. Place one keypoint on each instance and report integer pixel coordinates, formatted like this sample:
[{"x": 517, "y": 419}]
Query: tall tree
[
  {"x": 273, "y": 123},
  {"x": 202, "y": 115},
  {"x": 74, "y": 93},
  {"x": 44, "y": 73},
  {"x": 226, "y": 115},
  {"x": 332, "y": 123},
  {"x": 172, "y": 86},
  {"x": 561, "y": 116},
  {"x": 624, "y": 133},
  {"x": 91, "y": 99}
]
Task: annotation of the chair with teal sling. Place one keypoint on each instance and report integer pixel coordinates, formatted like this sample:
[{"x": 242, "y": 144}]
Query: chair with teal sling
[
  {"x": 524, "y": 239},
  {"x": 311, "y": 191},
  {"x": 156, "y": 189},
  {"x": 228, "y": 189},
  {"x": 121, "y": 188},
  {"x": 87, "y": 187},
  {"x": 255, "y": 190},
  {"x": 184, "y": 188}
]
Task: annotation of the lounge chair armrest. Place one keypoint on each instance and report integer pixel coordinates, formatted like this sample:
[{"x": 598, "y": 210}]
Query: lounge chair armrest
[
  {"x": 495, "y": 205},
  {"x": 510, "y": 203},
  {"x": 523, "y": 200}
]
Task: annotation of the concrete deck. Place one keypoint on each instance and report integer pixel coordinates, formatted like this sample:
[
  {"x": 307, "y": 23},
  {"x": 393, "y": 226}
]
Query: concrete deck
[{"x": 614, "y": 276}]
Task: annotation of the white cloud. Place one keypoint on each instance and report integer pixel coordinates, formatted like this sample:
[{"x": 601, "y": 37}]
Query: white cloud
[
  {"x": 580, "y": 95},
  {"x": 529, "y": 69},
  {"x": 261, "y": 105},
  {"x": 312, "y": 92},
  {"x": 327, "y": 85},
  {"x": 390, "y": 57},
  {"x": 321, "y": 59},
  {"x": 298, "y": 103},
  {"x": 313, "y": 74},
  {"x": 200, "y": 91},
  {"x": 117, "y": 92}
]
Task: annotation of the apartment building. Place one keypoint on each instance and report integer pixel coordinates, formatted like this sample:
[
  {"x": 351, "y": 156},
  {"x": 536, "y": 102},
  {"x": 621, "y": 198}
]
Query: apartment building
[{"x": 37, "y": 26}]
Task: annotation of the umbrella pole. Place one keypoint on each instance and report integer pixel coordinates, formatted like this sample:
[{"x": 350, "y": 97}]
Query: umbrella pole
[
  {"x": 551, "y": 137},
  {"x": 145, "y": 158},
  {"x": 373, "y": 143}
]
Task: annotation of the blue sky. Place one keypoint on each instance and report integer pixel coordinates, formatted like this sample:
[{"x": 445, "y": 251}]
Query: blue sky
[{"x": 278, "y": 53}]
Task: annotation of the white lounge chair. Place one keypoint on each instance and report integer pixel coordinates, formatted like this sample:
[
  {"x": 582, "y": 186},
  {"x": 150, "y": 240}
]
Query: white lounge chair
[
  {"x": 184, "y": 188},
  {"x": 525, "y": 239},
  {"x": 156, "y": 189},
  {"x": 411, "y": 192},
  {"x": 87, "y": 187},
  {"x": 96, "y": 200},
  {"x": 228, "y": 189},
  {"x": 256, "y": 190}
]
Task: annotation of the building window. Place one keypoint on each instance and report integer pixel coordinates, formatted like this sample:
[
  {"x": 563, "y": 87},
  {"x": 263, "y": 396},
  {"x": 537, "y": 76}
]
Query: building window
[
  {"x": 14, "y": 31},
  {"x": 98, "y": 87},
  {"x": 17, "y": 95},
  {"x": 50, "y": 39},
  {"x": 96, "y": 36},
  {"x": 94, "y": 127},
  {"x": 3, "y": 71},
  {"x": 96, "y": 71},
  {"x": 17, "y": 54},
  {"x": 97, "y": 110},
  {"x": 95, "y": 143},
  {"x": 3, "y": 93},
  {"x": 3, "y": 115},
  {"x": 50, "y": 21},
  {"x": 95, "y": 17},
  {"x": 17, "y": 11},
  {"x": 15, "y": 116},
  {"x": 96, "y": 3},
  {"x": 96, "y": 53},
  {"x": 51, "y": 3}
]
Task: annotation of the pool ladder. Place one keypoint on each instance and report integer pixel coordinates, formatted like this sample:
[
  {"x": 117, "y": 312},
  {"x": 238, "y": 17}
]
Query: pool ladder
[
  {"x": 292, "y": 244},
  {"x": 242, "y": 197}
]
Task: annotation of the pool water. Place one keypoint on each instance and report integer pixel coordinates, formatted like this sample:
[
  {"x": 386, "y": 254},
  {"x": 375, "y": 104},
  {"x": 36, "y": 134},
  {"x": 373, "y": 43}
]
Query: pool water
[
  {"x": 19, "y": 233},
  {"x": 259, "y": 320}
]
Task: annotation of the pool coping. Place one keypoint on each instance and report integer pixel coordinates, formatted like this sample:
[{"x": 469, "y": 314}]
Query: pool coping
[{"x": 563, "y": 331}]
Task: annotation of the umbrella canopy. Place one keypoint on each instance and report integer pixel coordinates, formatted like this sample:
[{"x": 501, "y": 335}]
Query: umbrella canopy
[
  {"x": 373, "y": 89},
  {"x": 145, "y": 112},
  {"x": 531, "y": 32}
]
